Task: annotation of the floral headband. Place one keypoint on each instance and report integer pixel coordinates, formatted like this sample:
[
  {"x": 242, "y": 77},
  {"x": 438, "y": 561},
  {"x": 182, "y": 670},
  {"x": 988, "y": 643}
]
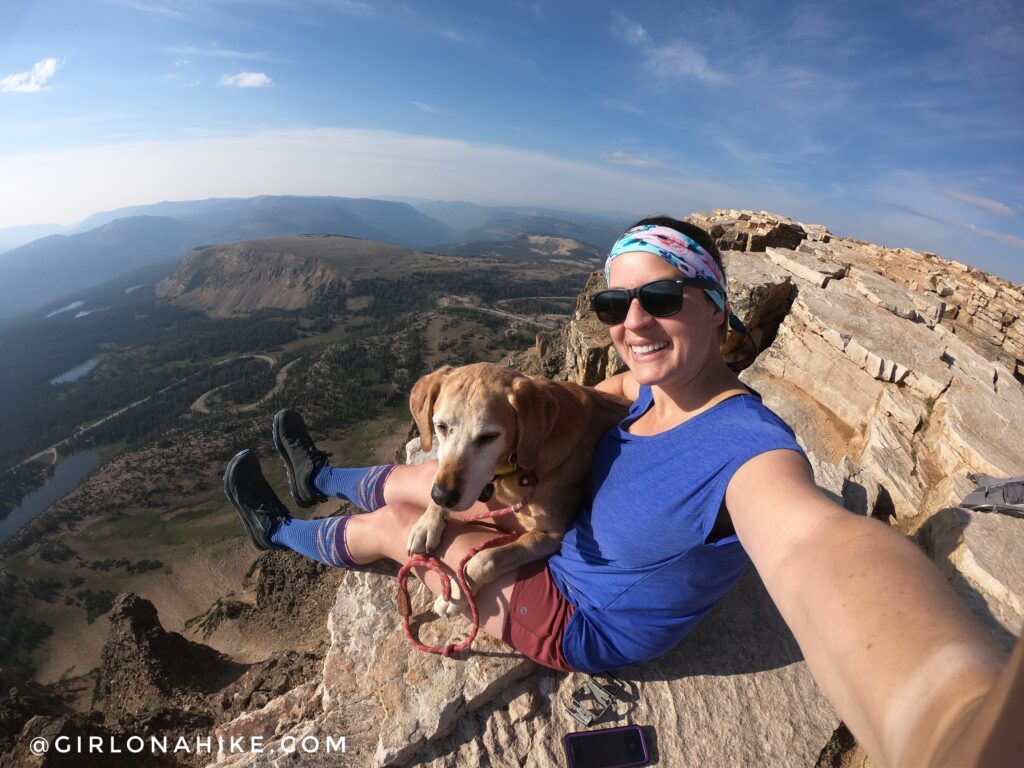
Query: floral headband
[{"x": 682, "y": 252}]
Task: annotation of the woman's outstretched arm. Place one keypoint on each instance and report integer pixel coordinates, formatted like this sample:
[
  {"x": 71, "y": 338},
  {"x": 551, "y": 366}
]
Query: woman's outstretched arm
[{"x": 910, "y": 671}]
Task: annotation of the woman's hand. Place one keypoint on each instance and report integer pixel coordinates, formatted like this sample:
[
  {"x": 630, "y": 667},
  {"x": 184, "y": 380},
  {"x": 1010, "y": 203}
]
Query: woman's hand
[{"x": 992, "y": 734}]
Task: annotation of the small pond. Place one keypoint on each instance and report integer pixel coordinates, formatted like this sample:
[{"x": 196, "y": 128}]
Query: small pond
[{"x": 66, "y": 477}]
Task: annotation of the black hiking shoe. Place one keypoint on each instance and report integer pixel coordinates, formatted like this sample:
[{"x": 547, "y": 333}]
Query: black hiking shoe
[
  {"x": 301, "y": 458},
  {"x": 253, "y": 499}
]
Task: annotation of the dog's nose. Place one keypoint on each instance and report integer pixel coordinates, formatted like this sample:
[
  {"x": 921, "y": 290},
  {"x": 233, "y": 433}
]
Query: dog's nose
[{"x": 444, "y": 497}]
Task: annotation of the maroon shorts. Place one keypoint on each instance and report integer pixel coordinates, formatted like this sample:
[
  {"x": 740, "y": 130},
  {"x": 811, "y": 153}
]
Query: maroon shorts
[{"x": 537, "y": 616}]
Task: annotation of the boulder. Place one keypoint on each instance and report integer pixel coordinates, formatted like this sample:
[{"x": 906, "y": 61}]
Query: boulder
[
  {"x": 386, "y": 698},
  {"x": 814, "y": 270},
  {"x": 982, "y": 553},
  {"x": 733, "y": 692}
]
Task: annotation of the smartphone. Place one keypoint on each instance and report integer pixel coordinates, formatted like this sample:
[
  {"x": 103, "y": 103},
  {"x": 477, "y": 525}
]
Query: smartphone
[{"x": 607, "y": 748}]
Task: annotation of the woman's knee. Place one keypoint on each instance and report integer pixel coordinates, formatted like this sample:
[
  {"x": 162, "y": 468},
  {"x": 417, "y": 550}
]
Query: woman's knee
[
  {"x": 410, "y": 484},
  {"x": 400, "y": 517}
]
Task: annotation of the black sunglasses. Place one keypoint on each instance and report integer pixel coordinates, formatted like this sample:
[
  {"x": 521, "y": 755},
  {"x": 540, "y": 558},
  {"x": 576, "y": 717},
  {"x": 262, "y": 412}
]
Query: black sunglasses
[{"x": 659, "y": 299}]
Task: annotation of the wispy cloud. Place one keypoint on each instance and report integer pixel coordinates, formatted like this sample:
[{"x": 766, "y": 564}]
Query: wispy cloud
[
  {"x": 909, "y": 207},
  {"x": 352, "y": 7},
  {"x": 621, "y": 106},
  {"x": 628, "y": 30},
  {"x": 247, "y": 80},
  {"x": 424, "y": 107},
  {"x": 992, "y": 206},
  {"x": 216, "y": 52},
  {"x": 32, "y": 81},
  {"x": 993, "y": 24},
  {"x": 535, "y": 9},
  {"x": 157, "y": 8},
  {"x": 1000, "y": 237},
  {"x": 673, "y": 62},
  {"x": 681, "y": 61},
  {"x": 752, "y": 157},
  {"x": 624, "y": 158},
  {"x": 451, "y": 34}
]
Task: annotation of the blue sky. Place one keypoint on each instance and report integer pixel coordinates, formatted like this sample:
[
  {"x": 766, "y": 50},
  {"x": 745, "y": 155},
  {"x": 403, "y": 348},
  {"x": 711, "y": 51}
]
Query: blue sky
[{"x": 896, "y": 122}]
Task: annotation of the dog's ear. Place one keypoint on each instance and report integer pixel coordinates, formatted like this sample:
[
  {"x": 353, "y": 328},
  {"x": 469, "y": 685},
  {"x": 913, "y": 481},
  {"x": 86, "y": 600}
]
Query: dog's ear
[
  {"x": 536, "y": 411},
  {"x": 421, "y": 404}
]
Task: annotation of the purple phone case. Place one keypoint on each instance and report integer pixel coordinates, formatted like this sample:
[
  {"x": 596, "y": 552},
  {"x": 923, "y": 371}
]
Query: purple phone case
[{"x": 602, "y": 733}]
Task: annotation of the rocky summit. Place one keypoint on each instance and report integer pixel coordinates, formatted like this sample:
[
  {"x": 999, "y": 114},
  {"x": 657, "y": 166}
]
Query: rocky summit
[{"x": 901, "y": 373}]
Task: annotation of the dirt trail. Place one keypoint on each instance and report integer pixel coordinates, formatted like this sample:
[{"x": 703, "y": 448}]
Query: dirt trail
[
  {"x": 200, "y": 406},
  {"x": 462, "y": 303}
]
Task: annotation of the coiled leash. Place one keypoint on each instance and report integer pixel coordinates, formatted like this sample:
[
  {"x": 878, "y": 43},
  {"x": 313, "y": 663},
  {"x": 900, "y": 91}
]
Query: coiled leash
[{"x": 428, "y": 561}]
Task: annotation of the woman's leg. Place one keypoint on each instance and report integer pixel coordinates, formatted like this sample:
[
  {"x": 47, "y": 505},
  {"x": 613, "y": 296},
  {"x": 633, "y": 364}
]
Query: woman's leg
[
  {"x": 384, "y": 532},
  {"x": 352, "y": 541}
]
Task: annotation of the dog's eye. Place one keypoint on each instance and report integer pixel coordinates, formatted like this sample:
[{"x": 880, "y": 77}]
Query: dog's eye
[
  {"x": 488, "y": 438},
  {"x": 442, "y": 428}
]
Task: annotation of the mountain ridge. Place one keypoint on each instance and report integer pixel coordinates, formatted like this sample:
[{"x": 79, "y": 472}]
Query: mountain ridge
[
  {"x": 291, "y": 272},
  {"x": 35, "y": 273}
]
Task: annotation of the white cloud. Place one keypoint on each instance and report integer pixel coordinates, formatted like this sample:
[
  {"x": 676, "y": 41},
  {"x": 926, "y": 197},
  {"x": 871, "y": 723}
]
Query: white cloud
[
  {"x": 353, "y": 7},
  {"x": 1000, "y": 237},
  {"x": 624, "y": 158},
  {"x": 424, "y": 107},
  {"x": 452, "y": 34},
  {"x": 925, "y": 198},
  {"x": 681, "y": 61},
  {"x": 216, "y": 52},
  {"x": 992, "y": 206},
  {"x": 149, "y": 7},
  {"x": 670, "y": 63},
  {"x": 621, "y": 106},
  {"x": 247, "y": 80},
  {"x": 628, "y": 30},
  {"x": 32, "y": 81}
]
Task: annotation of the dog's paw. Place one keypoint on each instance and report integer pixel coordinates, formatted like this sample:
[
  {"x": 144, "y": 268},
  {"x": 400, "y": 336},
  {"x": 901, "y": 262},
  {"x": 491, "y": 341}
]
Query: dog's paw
[
  {"x": 480, "y": 570},
  {"x": 448, "y": 608},
  {"x": 426, "y": 533}
]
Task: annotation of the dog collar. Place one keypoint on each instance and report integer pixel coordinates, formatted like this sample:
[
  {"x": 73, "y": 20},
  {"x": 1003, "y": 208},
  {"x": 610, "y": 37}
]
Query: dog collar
[
  {"x": 509, "y": 468},
  {"x": 527, "y": 476}
]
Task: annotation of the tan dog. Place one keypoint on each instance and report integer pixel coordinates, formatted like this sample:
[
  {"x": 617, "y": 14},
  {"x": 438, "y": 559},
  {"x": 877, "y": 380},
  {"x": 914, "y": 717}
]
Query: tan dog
[{"x": 495, "y": 425}]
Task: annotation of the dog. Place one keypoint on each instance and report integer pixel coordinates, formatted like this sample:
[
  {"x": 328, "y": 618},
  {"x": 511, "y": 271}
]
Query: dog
[{"x": 496, "y": 426}]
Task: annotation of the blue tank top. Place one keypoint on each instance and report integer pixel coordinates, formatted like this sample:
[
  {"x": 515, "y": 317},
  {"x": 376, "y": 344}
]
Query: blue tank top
[{"x": 635, "y": 564}]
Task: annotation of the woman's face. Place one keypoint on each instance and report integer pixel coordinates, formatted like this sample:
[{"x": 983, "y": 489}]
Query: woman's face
[{"x": 663, "y": 351}]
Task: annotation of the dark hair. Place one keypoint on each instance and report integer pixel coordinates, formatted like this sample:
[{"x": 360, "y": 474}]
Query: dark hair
[{"x": 690, "y": 230}]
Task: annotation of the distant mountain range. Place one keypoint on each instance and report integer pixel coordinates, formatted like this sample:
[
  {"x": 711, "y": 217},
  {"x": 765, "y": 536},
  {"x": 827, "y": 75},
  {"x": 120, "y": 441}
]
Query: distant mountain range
[{"x": 111, "y": 243}]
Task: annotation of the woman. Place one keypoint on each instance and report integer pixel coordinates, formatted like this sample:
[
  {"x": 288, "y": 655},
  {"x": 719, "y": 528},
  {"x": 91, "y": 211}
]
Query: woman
[{"x": 698, "y": 477}]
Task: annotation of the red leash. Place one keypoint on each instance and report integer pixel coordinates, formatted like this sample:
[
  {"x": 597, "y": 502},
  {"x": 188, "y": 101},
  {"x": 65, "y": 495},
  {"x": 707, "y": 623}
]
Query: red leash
[{"x": 428, "y": 561}]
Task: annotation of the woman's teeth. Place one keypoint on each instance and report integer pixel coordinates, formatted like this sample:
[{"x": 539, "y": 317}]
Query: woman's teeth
[{"x": 646, "y": 349}]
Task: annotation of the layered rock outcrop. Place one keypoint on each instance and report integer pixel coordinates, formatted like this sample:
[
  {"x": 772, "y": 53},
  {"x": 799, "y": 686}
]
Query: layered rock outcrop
[
  {"x": 900, "y": 372},
  {"x": 981, "y": 308}
]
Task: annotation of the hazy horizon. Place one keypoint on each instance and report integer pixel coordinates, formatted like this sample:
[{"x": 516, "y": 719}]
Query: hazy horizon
[{"x": 894, "y": 123}]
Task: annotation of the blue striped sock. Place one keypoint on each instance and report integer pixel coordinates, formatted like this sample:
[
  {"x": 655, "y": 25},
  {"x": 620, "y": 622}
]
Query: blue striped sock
[
  {"x": 321, "y": 540},
  {"x": 363, "y": 486}
]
